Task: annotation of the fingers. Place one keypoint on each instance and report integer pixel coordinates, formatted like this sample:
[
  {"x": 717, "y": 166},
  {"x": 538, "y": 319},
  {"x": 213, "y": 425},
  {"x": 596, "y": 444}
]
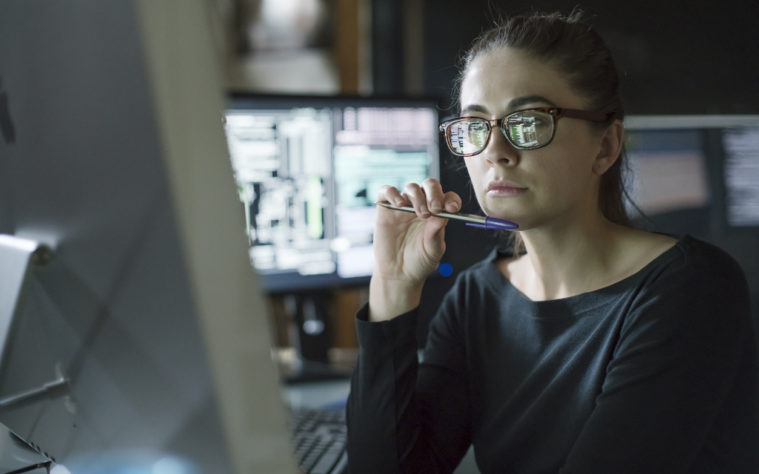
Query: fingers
[
  {"x": 452, "y": 202},
  {"x": 418, "y": 199},
  {"x": 426, "y": 198},
  {"x": 429, "y": 198},
  {"x": 391, "y": 195},
  {"x": 434, "y": 193}
]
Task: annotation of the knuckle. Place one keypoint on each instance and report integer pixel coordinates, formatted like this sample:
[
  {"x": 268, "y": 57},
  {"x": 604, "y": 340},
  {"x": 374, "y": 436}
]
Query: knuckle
[
  {"x": 412, "y": 187},
  {"x": 386, "y": 190}
]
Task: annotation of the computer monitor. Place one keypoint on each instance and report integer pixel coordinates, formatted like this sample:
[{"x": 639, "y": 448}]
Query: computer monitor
[
  {"x": 698, "y": 163},
  {"x": 308, "y": 170},
  {"x": 140, "y": 343}
]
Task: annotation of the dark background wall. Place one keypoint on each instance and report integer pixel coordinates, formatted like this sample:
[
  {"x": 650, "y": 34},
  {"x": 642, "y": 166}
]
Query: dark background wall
[{"x": 674, "y": 56}]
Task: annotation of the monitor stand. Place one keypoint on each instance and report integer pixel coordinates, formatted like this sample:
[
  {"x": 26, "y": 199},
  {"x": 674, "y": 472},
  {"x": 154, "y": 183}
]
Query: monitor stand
[{"x": 310, "y": 313}]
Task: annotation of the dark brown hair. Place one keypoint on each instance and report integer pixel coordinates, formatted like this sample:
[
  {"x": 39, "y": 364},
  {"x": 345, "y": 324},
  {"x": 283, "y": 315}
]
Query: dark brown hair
[{"x": 573, "y": 47}]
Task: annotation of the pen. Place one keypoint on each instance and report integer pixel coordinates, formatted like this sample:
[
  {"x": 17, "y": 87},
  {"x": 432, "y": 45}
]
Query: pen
[{"x": 481, "y": 222}]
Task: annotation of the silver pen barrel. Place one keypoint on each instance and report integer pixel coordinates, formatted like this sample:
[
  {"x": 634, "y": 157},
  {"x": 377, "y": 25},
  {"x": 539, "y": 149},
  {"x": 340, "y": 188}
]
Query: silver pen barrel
[{"x": 447, "y": 215}]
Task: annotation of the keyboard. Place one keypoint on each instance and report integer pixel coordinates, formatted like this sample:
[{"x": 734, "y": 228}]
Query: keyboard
[{"x": 320, "y": 437}]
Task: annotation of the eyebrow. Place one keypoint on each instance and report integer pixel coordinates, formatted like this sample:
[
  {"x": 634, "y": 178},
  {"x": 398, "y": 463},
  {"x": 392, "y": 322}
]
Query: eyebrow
[{"x": 513, "y": 104}]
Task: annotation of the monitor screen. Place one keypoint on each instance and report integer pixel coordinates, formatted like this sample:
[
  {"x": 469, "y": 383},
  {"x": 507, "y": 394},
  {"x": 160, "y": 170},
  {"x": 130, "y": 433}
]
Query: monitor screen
[
  {"x": 690, "y": 164},
  {"x": 308, "y": 170},
  {"x": 667, "y": 170}
]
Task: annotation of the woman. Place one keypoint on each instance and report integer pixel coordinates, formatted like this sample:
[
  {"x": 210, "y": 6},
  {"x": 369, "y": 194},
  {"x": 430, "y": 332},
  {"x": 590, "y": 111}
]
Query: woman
[{"x": 592, "y": 347}]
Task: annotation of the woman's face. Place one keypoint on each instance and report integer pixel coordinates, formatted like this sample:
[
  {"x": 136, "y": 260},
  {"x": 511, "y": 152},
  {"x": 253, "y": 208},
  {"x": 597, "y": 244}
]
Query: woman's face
[{"x": 530, "y": 187}]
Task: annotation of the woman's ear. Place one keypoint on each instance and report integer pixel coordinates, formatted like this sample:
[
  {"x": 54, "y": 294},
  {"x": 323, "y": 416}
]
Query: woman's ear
[{"x": 611, "y": 147}]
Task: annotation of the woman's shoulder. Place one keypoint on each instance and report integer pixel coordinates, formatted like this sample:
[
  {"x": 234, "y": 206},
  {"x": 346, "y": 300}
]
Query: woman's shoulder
[
  {"x": 677, "y": 255},
  {"x": 637, "y": 249},
  {"x": 694, "y": 265},
  {"x": 694, "y": 281},
  {"x": 701, "y": 256}
]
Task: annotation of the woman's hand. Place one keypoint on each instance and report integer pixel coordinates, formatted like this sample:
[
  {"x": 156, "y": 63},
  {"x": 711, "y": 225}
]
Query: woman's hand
[{"x": 407, "y": 247}]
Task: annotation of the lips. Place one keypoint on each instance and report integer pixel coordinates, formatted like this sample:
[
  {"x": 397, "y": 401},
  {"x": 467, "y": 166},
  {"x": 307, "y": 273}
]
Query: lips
[{"x": 505, "y": 188}]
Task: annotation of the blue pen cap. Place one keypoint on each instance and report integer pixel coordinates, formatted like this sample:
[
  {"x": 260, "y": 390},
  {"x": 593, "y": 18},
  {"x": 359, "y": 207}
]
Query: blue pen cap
[{"x": 494, "y": 223}]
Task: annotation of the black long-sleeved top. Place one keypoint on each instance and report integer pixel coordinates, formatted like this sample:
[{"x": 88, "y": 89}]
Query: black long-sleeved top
[{"x": 653, "y": 374}]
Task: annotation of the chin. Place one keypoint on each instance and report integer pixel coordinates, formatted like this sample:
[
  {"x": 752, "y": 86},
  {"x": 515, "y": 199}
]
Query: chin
[{"x": 500, "y": 210}]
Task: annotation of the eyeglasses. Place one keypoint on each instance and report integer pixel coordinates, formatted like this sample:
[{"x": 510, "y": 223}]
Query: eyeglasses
[{"x": 525, "y": 129}]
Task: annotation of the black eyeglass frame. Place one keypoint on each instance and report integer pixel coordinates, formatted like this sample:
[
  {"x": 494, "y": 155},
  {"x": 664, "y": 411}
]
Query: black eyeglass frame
[{"x": 555, "y": 112}]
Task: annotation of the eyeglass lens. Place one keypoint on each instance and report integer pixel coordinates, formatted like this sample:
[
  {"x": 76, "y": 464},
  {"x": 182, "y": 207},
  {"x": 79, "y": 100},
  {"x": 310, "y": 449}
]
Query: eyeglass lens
[{"x": 526, "y": 130}]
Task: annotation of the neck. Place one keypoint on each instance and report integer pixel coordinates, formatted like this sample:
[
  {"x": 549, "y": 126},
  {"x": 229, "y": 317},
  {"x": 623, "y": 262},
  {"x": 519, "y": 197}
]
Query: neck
[{"x": 568, "y": 258}]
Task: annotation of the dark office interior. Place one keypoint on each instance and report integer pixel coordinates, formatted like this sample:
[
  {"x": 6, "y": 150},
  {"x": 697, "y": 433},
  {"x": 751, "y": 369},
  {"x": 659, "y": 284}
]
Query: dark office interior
[{"x": 690, "y": 66}]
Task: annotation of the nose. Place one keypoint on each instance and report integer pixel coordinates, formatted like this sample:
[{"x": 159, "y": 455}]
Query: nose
[{"x": 498, "y": 150}]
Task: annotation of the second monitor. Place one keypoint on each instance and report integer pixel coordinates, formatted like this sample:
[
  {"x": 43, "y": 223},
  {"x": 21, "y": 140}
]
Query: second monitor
[{"x": 308, "y": 170}]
